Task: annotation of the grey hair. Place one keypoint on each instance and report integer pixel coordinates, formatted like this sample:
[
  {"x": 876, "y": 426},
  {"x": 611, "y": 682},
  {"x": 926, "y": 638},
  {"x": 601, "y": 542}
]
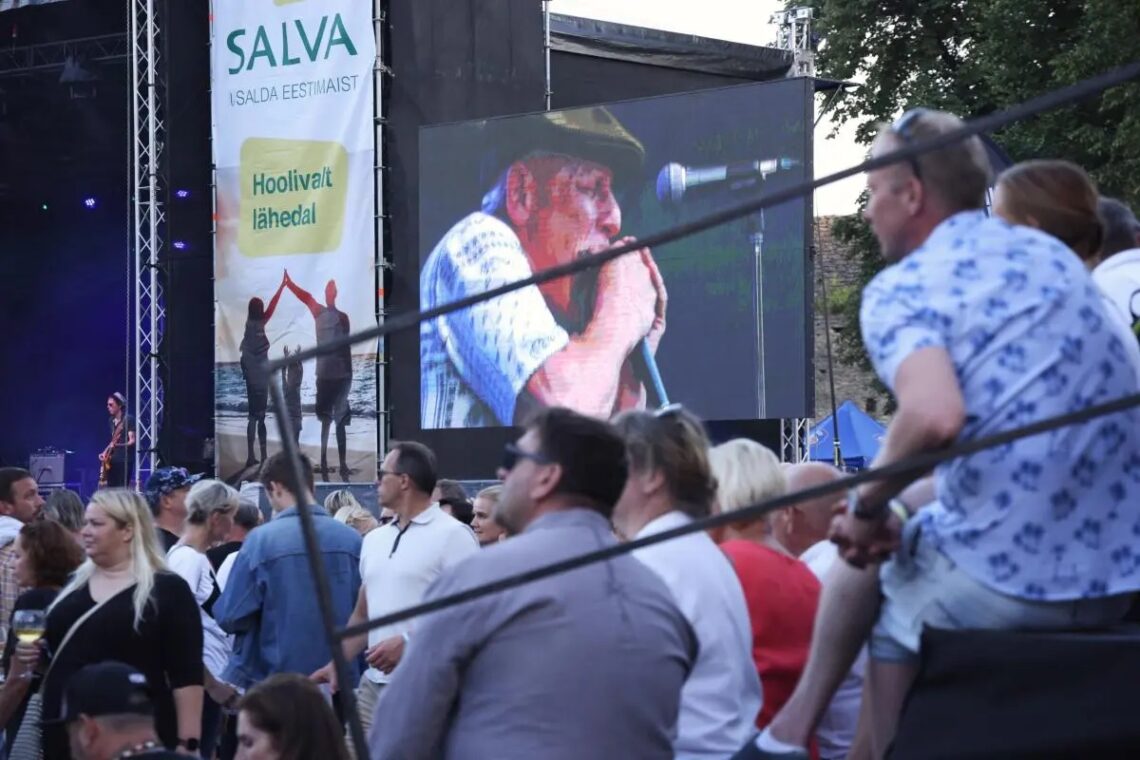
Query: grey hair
[
  {"x": 1120, "y": 227},
  {"x": 207, "y": 497},
  {"x": 248, "y": 515},
  {"x": 66, "y": 508}
]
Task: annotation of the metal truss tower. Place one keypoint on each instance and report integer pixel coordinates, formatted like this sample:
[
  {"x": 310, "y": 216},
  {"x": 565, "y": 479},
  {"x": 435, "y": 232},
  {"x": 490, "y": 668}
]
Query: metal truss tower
[
  {"x": 795, "y": 34},
  {"x": 148, "y": 225},
  {"x": 793, "y": 439}
]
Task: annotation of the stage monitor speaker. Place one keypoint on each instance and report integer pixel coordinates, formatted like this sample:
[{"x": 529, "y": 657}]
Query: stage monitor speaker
[{"x": 48, "y": 467}]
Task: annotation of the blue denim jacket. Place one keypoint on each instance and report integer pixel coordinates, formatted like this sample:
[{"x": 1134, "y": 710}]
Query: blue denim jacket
[{"x": 270, "y": 601}]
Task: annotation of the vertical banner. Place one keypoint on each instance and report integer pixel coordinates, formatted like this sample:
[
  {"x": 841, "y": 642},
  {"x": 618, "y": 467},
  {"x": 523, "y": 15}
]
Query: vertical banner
[{"x": 295, "y": 242}]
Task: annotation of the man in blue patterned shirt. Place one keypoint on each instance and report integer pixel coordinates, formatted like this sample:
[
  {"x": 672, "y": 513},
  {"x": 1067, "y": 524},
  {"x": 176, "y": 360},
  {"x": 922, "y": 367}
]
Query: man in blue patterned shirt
[{"x": 977, "y": 326}]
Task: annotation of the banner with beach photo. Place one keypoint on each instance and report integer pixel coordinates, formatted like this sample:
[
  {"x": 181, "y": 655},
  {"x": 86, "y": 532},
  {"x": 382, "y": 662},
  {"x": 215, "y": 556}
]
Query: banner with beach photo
[{"x": 295, "y": 244}]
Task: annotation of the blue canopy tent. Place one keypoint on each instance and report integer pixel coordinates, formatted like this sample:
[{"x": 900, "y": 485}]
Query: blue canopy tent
[{"x": 860, "y": 437}]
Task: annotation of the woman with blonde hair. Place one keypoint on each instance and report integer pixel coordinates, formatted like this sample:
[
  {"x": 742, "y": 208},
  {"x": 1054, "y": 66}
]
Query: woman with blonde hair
[
  {"x": 339, "y": 499},
  {"x": 344, "y": 507},
  {"x": 781, "y": 592},
  {"x": 123, "y": 604}
]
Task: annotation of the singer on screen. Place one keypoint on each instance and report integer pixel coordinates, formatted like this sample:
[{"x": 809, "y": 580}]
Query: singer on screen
[{"x": 571, "y": 342}]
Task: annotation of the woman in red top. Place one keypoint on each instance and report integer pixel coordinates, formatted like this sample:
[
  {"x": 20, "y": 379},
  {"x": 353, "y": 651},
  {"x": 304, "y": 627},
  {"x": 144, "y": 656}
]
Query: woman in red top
[{"x": 781, "y": 592}]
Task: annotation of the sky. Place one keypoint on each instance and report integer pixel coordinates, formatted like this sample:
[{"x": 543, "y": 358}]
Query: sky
[{"x": 743, "y": 21}]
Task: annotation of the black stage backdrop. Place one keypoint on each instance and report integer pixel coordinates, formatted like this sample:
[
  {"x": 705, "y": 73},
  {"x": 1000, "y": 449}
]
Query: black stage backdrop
[
  {"x": 63, "y": 278},
  {"x": 187, "y": 349},
  {"x": 455, "y": 60},
  {"x": 451, "y": 60}
]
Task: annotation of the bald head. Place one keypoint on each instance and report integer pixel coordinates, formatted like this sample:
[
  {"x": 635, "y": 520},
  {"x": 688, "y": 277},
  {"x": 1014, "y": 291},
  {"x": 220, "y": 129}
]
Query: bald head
[{"x": 799, "y": 527}]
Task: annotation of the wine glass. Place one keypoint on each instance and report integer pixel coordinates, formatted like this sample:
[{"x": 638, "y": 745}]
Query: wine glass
[{"x": 28, "y": 626}]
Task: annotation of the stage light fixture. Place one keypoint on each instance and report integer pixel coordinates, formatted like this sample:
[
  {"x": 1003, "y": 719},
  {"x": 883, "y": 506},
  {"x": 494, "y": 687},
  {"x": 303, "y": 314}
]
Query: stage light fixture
[
  {"x": 43, "y": 207},
  {"x": 89, "y": 202},
  {"x": 181, "y": 193},
  {"x": 180, "y": 245}
]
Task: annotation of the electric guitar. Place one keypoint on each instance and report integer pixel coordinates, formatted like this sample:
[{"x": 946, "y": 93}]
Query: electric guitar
[{"x": 105, "y": 458}]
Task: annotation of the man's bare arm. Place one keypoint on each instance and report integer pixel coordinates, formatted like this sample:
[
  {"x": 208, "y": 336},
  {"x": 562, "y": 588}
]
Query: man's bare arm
[{"x": 931, "y": 413}]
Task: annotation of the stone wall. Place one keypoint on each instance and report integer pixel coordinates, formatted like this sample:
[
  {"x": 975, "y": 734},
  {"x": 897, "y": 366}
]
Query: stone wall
[{"x": 851, "y": 382}]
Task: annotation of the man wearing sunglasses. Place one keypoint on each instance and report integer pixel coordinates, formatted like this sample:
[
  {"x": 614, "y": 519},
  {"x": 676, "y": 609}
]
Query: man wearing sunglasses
[
  {"x": 977, "y": 327},
  {"x": 585, "y": 664},
  {"x": 398, "y": 562}
]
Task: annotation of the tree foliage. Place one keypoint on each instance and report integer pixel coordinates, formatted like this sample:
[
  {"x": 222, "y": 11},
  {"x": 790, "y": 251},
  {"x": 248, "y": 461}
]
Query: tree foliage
[{"x": 973, "y": 57}]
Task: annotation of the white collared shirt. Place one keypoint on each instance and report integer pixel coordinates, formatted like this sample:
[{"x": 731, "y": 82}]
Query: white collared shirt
[
  {"x": 398, "y": 564},
  {"x": 722, "y": 697}
]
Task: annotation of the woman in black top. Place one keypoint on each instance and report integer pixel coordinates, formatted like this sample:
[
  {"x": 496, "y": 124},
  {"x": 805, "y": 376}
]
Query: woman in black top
[
  {"x": 46, "y": 554},
  {"x": 143, "y": 616}
]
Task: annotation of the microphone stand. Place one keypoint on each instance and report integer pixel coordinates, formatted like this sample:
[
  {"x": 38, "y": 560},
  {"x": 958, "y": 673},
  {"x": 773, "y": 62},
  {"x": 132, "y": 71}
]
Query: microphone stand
[
  {"x": 646, "y": 366},
  {"x": 757, "y": 240}
]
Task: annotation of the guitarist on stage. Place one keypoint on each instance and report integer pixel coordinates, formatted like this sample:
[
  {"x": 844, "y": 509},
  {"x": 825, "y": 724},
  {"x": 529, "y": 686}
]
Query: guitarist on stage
[{"x": 117, "y": 459}]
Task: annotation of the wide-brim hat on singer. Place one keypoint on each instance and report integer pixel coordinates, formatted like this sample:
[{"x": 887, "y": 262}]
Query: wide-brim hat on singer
[{"x": 592, "y": 133}]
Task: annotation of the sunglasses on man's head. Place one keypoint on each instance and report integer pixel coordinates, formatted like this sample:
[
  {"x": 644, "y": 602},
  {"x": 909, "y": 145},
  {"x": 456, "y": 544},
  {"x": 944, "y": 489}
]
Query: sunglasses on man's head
[
  {"x": 903, "y": 128},
  {"x": 512, "y": 454}
]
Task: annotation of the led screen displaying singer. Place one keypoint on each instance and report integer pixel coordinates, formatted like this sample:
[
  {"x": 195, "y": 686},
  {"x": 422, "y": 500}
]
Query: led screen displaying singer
[
  {"x": 502, "y": 199},
  {"x": 553, "y": 202}
]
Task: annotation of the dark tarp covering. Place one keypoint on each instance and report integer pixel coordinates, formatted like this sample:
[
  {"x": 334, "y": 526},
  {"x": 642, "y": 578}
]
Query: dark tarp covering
[{"x": 1009, "y": 695}]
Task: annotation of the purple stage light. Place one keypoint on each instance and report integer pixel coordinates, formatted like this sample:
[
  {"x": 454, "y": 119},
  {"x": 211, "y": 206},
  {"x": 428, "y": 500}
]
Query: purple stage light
[
  {"x": 89, "y": 202},
  {"x": 180, "y": 245},
  {"x": 182, "y": 193}
]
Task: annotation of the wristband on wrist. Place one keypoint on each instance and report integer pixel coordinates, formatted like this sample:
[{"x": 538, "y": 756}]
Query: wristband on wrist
[{"x": 899, "y": 509}]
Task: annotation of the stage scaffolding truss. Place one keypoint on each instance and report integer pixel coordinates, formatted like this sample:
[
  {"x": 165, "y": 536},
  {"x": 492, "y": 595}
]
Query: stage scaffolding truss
[
  {"x": 384, "y": 262},
  {"x": 148, "y": 224},
  {"x": 51, "y": 56},
  {"x": 793, "y": 439}
]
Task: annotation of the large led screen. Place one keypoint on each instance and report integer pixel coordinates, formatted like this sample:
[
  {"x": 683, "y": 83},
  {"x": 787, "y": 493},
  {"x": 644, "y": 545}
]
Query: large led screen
[{"x": 716, "y": 321}]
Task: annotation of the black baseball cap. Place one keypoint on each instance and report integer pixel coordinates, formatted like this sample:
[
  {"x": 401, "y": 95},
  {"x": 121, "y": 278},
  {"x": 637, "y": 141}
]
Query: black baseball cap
[{"x": 106, "y": 688}]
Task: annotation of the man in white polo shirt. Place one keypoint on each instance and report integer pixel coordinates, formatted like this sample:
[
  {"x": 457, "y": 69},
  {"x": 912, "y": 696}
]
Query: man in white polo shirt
[{"x": 398, "y": 562}]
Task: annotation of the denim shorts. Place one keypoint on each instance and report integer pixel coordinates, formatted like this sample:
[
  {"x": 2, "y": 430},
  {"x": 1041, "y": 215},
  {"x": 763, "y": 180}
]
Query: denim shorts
[{"x": 921, "y": 586}]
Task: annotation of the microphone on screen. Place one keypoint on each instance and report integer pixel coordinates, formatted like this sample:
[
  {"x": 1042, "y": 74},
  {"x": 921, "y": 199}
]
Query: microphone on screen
[
  {"x": 674, "y": 180},
  {"x": 646, "y": 366}
]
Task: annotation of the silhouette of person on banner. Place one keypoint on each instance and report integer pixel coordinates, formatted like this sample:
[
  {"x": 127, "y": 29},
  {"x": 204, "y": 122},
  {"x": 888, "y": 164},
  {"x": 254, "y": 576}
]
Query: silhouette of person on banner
[
  {"x": 334, "y": 371},
  {"x": 254, "y": 350}
]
